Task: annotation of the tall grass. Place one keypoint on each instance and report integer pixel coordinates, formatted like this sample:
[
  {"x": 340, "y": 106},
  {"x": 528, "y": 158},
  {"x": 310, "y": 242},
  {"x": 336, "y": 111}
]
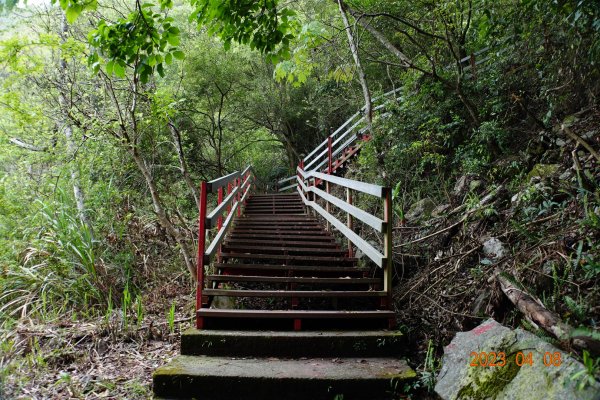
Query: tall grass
[{"x": 58, "y": 270}]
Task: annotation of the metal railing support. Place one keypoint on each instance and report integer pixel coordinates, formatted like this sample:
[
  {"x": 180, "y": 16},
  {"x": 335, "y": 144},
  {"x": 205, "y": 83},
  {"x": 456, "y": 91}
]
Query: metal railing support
[
  {"x": 238, "y": 183},
  {"x": 239, "y": 186},
  {"x": 349, "y": 221},
  {"x": 201, "y": 249},
  {"x": 329, "y": 156},
  {"x": 220, "y": 219},
  {"x": 388, "y": 247},
  {"x": 327, "y": 204}
]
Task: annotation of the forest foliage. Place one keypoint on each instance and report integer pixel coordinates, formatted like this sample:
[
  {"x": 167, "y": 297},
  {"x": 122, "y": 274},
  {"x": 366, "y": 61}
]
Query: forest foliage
[{"x": 111, "y": 113}]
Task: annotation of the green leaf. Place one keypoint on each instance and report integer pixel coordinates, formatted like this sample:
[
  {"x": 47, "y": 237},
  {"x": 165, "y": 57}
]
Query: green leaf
[
  {"x": 72, "y": 12},
  {"x": 151, "y": 60},
  {"x": 160, "y": 69},
  {"x": 119, "y": 69},
  {"x": 178, "y": 54},
  {"x": 168, "y": 58},
  {"x": 110, "y": 67},
  {"x": 173, "y": 40}
]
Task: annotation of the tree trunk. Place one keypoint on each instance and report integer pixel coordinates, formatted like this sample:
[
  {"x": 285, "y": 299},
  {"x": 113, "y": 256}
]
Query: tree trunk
[
  {"x": 68, "y": 129},
  {"x": 539, "y": 315},
  {"x": 182, "y": 163},
  {"x": 359, "y": 69},
  {"x": 407, "y": 63},
  {"x": 161, "y": 213},
  {"x": 404, "y": 60}
]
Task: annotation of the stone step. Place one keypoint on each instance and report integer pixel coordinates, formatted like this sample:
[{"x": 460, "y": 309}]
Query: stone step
[
  {"x": 226, "y": 378},
  {"x": 282, "y": 344}
]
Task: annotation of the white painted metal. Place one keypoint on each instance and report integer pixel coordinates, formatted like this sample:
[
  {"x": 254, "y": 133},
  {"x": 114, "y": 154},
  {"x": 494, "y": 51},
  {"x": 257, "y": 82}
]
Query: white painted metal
[
  {"x": 221, "y": 182},
  {"x": 211, "y": 219}
]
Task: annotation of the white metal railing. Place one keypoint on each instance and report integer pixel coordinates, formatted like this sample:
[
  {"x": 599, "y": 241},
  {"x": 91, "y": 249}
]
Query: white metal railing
[
  {"x": 237, "y": 187},
  {"x": 309, "y": 191},
  {"x": 343, "y": 137}
]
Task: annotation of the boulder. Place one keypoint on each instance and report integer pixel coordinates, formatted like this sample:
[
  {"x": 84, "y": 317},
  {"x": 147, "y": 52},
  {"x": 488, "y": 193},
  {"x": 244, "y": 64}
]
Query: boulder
[
  {"x": 531, "y": 194},
  {"x": 590, "y": 135},
  {"x": 517, "y": 378},
  {"x": 421, "y": 209},
  {"x": 560, "y": 142},
  {"x": 474, "y": 185},
  {"x": 494, "y": 248},
  {"x": 566, "y": 176},
  {"x": 543, "y": 170},
  {"x": 462, "y": 185},
  {"x": 440, "y": 210}
]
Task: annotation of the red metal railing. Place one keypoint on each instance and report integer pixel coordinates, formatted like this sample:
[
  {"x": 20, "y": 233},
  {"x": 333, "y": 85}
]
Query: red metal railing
[{"x": 239, "y": 185}]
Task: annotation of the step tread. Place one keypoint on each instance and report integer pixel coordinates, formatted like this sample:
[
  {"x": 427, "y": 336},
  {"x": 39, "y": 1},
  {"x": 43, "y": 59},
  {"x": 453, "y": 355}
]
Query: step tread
[
  {"x": 301, "y": 314},
  {"x": 321, "y": 335},
  {"x": 279, "y": 242},
  {"x": 314, "y": 268},
  {"x": 295, "y": 369},
  {"x": 233, "y": 247},
  {"x": 267, "y": 233},
  {"x": 296, "y": 279},
  {"x": 293, "y": 293},
  {"x": 345, "y": 260},
  {"x": 284, "y": 237}
]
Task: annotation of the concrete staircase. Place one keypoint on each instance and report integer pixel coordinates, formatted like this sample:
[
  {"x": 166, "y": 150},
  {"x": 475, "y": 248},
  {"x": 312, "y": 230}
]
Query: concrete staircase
[
  {"x": 303, "y": 320},
  {"x": 239, "y": 365}
]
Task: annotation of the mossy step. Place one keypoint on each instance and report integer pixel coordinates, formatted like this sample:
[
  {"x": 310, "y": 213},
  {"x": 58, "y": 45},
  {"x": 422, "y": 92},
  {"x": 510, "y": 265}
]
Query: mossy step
[
  {"x": 225, "y": 343},
  {"x": 225, "y": 378}
]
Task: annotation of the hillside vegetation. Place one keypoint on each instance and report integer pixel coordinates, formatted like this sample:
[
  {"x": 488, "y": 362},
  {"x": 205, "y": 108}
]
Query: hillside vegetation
[{"x": 111, "y": 113}]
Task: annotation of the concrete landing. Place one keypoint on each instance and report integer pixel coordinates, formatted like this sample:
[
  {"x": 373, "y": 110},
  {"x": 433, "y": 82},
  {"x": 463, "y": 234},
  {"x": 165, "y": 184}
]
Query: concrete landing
[
  {"x": 285, "y": 344},
  {"x": 224, "y": 378}
]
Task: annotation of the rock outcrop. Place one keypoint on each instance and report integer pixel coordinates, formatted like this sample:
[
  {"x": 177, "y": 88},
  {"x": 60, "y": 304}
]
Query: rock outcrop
[{"x": 532, "y": 368}]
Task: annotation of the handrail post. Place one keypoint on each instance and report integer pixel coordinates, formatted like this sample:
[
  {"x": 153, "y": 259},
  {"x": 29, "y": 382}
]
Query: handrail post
[
  {"x": 219, "y": 201},
  {"x": 327, "y": 205},
  {"x": 349, "y": 221},
  {"x": 220, "y": 219},
  {"x": 330, "y": 155},
  {"x": 239, "y": 195},
  {"x": 229, "y": 188},
  {"x": 201, "y": 249},
  {"x": 388, "y": 247}
]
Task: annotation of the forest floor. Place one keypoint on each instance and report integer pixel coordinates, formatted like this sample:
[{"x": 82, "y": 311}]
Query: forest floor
[{"x": 99, "y": 357}]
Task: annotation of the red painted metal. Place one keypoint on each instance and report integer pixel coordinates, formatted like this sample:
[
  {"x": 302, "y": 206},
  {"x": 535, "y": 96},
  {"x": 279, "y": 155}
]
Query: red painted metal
[
  {"x": 219, "y": 201},
  {"x": 229, "y": 189},
  {"x": 201, "y": 250}
]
